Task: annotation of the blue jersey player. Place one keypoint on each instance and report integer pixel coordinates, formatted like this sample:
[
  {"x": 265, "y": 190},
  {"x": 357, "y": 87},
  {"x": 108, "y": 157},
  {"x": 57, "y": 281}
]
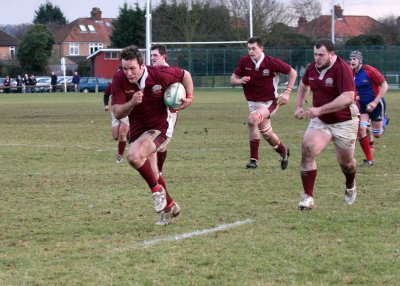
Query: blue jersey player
[{"x": 371, "y": 87}]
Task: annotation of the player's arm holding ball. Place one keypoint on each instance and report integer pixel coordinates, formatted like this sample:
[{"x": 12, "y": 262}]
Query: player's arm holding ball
[{"x": 187, "y": 82}]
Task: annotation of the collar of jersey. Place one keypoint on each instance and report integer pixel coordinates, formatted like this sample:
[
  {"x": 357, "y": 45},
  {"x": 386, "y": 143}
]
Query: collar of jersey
[
  {"x": 324, "y": 71},
  {"x": 142, "y": 80},
  {"x": 258, "y": 63}
]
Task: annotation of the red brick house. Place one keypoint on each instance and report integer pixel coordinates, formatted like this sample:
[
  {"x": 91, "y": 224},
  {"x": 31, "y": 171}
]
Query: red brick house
[
  {"x": 104, "y": 62},
  {"x": 8, "y": 47},
  {"x": 345, "y": 26},
  {"x": 81, "y": 38}
]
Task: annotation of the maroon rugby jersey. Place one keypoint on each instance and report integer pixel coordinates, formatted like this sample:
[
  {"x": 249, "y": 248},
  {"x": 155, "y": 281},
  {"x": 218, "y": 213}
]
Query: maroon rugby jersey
[
  {"x": 326, "y": 87},
  {"x": 261, "y": 86},
  {"x": 152, "y": 112}
]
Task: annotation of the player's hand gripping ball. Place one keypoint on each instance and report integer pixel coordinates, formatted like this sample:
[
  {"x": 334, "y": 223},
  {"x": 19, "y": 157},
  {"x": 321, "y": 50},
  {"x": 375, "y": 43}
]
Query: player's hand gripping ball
[{"x": 174, "y": 94}]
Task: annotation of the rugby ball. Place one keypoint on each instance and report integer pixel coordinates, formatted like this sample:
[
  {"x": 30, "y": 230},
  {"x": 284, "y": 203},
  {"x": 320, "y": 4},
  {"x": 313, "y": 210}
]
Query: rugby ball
[{"x": 174, "y": 94}]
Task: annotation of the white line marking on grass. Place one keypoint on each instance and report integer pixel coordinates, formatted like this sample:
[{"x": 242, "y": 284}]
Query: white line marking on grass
[{"x": 197, "y": 232}]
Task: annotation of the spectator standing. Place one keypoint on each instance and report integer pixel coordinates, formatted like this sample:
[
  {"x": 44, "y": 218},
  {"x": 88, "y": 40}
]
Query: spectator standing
[
  {"x": 75, "y": 81},
  {"x": 32, "y": 83},
  {"x": 7, "y": 84},
  {"x": 25, "y": 83},
  {"x": 53, "y": 82},
  {"x": 333, "y": 117},
  {"x": 19, "y": 82}
]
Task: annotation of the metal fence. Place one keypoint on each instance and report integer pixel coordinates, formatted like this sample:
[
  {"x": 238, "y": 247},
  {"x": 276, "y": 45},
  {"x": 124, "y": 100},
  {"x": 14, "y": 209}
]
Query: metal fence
[{"x": 213, "y": 67}]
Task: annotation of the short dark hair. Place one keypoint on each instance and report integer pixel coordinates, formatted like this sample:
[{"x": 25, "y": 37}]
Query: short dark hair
[
  {"x": 330, "y": 47},
  {"x": 161, "y": 48},
  {"x": 257, "y": 40},
  {"x": 132, "y": 52}
]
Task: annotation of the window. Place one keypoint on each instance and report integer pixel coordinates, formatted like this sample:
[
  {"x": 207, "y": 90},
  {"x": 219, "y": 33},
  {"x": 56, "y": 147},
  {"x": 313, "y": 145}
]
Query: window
[
  {"x": 74, "y": 49},
  {"x": 93, "y": 47},
  {"x": 83, "y": 28},
  {"x": 91, "y": 28},
  {"x": 12, "y": 53},
  {"x": 111, "y": 55}
]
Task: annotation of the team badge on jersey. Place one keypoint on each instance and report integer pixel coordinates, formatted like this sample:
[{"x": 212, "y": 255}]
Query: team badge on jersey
[
  {"x": 329, "y": 82},
  {"x": 156, "y": 89},
  {"x": 265, "y": 72}
]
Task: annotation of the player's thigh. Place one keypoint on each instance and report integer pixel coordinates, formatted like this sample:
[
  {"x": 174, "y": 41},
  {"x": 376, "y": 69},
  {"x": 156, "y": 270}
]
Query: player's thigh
[
  {"x": 123, "y": 129},
  {"x": 317, "y": 136},
  {"x": 149, "y": 142},
  {"x": 345, "y": 133},
  {"x": 260, "y": 110},
  {"x": 315, "y": 140}
]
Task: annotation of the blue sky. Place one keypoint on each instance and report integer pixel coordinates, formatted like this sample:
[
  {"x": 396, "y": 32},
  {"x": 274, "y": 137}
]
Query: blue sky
[{"x": 22, "y": 11}]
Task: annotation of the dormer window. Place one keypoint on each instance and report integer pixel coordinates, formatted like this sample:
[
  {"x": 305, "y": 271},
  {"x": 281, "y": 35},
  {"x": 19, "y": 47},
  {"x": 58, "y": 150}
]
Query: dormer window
[
  {"x": 93, "y": 47},
  {"x": 83, "y": 28},
  {"x": 91, "y": 28}
]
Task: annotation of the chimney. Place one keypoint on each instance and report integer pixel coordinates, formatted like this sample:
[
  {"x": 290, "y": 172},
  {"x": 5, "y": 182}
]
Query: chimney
[
  {"x": 338, "y": 11},
  {"x": 96, "y": 13},
  {"x": 301, "y": 22}
]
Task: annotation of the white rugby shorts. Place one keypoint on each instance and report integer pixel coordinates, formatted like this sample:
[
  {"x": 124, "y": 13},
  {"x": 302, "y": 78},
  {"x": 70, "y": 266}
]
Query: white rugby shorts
[{"x": 344, "y": 134}]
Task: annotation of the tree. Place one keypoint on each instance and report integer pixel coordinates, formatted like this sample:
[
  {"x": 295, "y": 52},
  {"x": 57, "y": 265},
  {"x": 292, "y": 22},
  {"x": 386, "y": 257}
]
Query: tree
[
  {"x": 390, "y": 30},
  {"x": 129, "y": 27},
  {"x": 189, "y": 22},
  {"x": 47, "y": 14},
  {"x": 266, "y": 13},
  {"x": 365, "y": 40},
  {"x": 309, "y": 9},
  {"x": 35, "y": 49},
  {"x": 283, "y": 35}
]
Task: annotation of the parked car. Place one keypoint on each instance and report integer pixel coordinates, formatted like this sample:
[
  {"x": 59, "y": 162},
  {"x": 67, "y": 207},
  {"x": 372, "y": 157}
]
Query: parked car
[
  {"x": 88, "y": 84},
  {"x": 43, "y": 84},
  {"x": 68, "y": 81},
  {"x": 12, "y": 87}
]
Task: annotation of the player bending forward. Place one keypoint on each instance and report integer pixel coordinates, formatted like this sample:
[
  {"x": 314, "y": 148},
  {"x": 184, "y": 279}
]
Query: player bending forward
[{"x": 138, "y": 92}]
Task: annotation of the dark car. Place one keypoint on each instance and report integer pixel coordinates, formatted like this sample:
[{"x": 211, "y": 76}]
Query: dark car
[
  {"x": 43, "y": 84},
  {"x": 89, "y": 84}
]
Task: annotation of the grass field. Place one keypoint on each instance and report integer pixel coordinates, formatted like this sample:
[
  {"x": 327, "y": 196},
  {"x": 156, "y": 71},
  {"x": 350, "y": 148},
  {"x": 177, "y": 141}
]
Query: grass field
[{"x": 69, "y": 215}]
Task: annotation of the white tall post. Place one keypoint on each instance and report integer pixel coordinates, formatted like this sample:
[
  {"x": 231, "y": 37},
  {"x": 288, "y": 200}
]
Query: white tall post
[
  {"x": 333, "y": 22},
  {"x": 251, "y": 17},
  {"x": 64, "y": 68},
  {"x": 148, "y": 31}
]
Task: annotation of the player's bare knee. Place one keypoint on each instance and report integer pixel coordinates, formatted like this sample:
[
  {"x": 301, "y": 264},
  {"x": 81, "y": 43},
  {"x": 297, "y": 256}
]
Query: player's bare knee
[
  {"x": 254, "y": 118},
  {"x": 252, "y": 121},
  {"x": 348, "y": 166},
  {"x": 134, "y": 159}
]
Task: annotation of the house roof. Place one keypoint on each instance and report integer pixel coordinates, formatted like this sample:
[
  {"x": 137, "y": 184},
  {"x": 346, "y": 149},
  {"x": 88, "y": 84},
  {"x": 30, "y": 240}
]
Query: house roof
[
  {"x": 102, "y": 51},
  {"x": 73, "y": 32},
  {"x": 8, "y": 40},
  {"x": 345, "y": 27}
]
